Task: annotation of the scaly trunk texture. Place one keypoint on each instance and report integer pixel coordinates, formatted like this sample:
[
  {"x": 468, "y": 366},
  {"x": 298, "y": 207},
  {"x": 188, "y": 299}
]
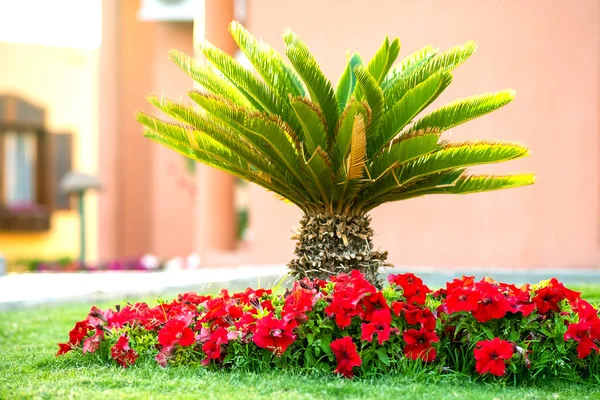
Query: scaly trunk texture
[{"x": 330, "y": 244}]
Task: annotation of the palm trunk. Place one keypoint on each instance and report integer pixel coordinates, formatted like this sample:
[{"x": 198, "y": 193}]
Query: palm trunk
[{"x": 329, "y": 244}]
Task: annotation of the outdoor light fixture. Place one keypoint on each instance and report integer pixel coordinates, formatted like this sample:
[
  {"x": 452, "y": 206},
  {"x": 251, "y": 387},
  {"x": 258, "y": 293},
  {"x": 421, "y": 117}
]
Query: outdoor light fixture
[{"x": 78, "y": 184}]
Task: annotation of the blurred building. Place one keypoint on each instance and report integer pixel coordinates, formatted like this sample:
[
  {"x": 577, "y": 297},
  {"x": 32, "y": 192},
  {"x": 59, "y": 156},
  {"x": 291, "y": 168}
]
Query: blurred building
[
  {"x": 152, "y": 202},
  {"x": 48, "y": 126}
]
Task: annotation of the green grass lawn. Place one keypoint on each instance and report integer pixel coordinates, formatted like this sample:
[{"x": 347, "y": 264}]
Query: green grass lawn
[{"x": 28, "y": 369}]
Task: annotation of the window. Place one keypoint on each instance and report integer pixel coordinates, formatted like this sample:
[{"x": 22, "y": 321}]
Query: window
[
  {"x": 25, "y": 200},
  {"x": 20, "y": 167}
]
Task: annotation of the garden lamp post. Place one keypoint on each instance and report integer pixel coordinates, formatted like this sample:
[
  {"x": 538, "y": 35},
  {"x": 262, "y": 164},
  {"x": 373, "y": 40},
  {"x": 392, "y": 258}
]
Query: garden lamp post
[{"x": 76, "y": 183}]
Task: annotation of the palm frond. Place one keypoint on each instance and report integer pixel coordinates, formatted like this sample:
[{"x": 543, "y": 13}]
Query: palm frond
[
  {"x": 444, "y": 62},
  {"x": 343, "y": 137},
  {"x": 403, "y": 150},
  {"x": 358, "y": 150},
  {"x": 319, "y": 167},
  {"x": 452, "y": 156},
  {"x": 347, "y": 81},
  {"x": 268, "y": 63},
  {"x": 418, "y": 188},
  {"x": 463, "y": 110},
  {"x": 486, "y": 183},
  {"x": 209, "y": 79},
  {"x": 313, "y": 124},
  {"x": 256, "y": 90},
  {"x": 408, "y": 65},
  {"x": 384, "y": 58},
  {"x": 355, "y": 163},
  {"x": 344, "y": 150},
  {"x": 320, "y": 88},
  {"x": 374, "y": 96},
  {"x": 407, "y": 108}
]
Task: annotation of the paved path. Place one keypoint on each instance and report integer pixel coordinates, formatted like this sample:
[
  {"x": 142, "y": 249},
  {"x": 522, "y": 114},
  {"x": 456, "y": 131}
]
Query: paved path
[{"x": 21, "y": 290}]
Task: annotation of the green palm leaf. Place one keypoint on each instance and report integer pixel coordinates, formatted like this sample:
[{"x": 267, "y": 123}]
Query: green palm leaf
[
  {"x": 319, "y": 87},
  {"x": 407, "y": 108},
  {"x": 444, "y": 62},
  {"x": 463, "y": 110},
  {"x": 268, "y": 63},
  {"x": 347, "y": 82},
  {"x": 313, "y": 124},
  {"x": 383, "y": 60},
  {"x": 344, "y": 150}
]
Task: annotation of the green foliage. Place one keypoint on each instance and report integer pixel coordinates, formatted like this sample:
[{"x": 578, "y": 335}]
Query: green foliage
[{"x": 287, "y": 128}]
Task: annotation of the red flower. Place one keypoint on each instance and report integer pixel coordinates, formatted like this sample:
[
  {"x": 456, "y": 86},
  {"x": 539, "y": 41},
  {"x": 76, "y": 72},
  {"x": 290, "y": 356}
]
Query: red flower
[
  {"x": 98, "y": 317},
  {"x": 274, "y": 334},
  {"x": 492, "y": 355},
  {"x": 548, "y": 297},
  {"x": 348, "y": 292},
  {"x": 413, "y": 288},
  {"x": 346, "y": 355},
  {"x": 585, "y": 310},
  {"x": 465, "y": 281},
  {"x": 176, "y": 331},
  {"x": 79, "y": 332},
  {"x": 461, "y": 299},
  {"x": 380, "y": 324},
  {"x": 418, "y": 344},
  {"x": 212, "y": 348},
  {"x": 415, "y": 315},
  {"x": 491, "y": 303},
  {"x": 91, "y": 344},
  {"x": 374, "y": 302},
  {"x": 297, "y": 304},
  {"x": 63, "y": 348},
  {"x": 122, "y": 353},
  {"x": 584, "y": 332}
]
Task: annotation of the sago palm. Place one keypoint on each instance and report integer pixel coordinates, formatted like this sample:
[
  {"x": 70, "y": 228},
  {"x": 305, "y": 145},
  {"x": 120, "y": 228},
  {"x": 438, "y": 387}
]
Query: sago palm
[{"x": 335, "y": 152}]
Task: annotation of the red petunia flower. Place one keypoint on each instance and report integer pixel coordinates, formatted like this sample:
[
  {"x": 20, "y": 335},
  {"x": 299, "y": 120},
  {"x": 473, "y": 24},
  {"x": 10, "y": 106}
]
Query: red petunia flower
[
  {"x": 461, "y": 299},
  {"x": 583, "y": 333},
  {"x": 212, "y": 348},
  {"x": 380, "y": 324},
  {"x": 547, "y": 299},
  {"x": 98, "y": 317},
  {"x": 63, "y": 348},
  {"x": 347, "y": 294},
  {"x": 464, "y": 282},
  {"x": 418, "y": 344},
  {"x": 346, "y": 355},
  {"x": 176, "y": 331},
  {"x": 274, "y": 334},
  {"x": 414, "y": 290},
  {"x": 79, "y": 332},
  {"x": 492, "y": 355},
  {"x": 372, "y": 303},
  {"x": 122, "y": 353},
  {"x": 297, "y": 304},
  {"x": 415, "y": 315},
  {"x": 585, "y": 310},
  {"x": 492, "y": 304},
  {"x": 91, "y": 344}
]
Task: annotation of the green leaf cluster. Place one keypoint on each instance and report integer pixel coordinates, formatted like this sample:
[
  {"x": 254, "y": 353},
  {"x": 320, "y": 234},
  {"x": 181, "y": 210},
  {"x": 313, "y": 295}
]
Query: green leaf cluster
[{"x": 348, "y": 148}]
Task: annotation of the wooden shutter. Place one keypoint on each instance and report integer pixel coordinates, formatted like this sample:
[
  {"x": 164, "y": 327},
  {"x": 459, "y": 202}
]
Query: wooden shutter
[{"x": 62, "y": 162}]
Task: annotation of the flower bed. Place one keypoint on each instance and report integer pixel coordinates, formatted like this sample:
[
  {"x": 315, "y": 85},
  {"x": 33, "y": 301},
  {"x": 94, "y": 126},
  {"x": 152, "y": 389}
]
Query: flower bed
[{"x": 347, "y": 326}]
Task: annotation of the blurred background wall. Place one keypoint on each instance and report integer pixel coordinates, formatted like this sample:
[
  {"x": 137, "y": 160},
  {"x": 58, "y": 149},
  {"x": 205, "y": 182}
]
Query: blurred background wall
[
  {"x": 62, "y": 81},
  {"x": 155, "y": 202}
]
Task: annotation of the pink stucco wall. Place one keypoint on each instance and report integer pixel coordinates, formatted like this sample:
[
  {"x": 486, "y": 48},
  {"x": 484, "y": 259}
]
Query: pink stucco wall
[
  {"x": 148, "y": 198},
  {"x": 548, "y": 51}
]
